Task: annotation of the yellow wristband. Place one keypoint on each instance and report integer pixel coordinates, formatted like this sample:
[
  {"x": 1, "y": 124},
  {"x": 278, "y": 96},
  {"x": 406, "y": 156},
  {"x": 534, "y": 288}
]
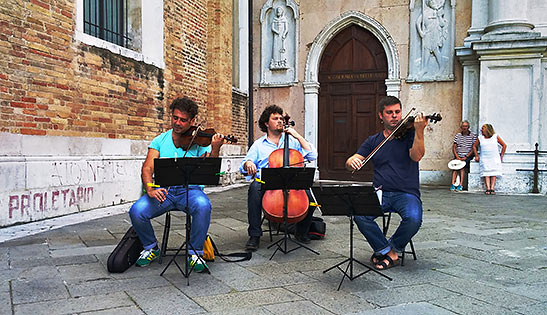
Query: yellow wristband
[{"x": 152, "y": 185}]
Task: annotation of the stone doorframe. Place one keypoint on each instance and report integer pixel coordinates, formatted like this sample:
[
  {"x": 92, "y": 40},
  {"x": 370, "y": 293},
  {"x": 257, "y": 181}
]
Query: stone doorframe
[{"x": 311, "y": 82}]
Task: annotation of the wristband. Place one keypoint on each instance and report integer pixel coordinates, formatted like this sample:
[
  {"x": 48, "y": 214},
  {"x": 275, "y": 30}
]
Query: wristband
[{"x": 152, "y": 185}]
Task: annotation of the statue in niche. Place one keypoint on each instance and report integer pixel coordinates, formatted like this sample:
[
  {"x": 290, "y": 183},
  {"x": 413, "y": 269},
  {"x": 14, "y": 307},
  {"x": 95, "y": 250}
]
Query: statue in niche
[
  {"x": 280, "y": 29},
  {"x": 433, "y": 31}
]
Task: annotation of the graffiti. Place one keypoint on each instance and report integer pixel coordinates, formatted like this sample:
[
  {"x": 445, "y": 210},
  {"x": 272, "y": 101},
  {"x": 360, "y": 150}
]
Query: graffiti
[
  {"x": 49, "y": 200},
  {"x": 82, "y": 173}
]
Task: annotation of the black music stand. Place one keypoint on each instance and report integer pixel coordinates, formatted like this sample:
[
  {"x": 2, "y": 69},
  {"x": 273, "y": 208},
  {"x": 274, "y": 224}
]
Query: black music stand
[
  {"x": 185, "y": 172},
  {"x": 349, "y": 201},
  {"x": 287, "y": 178}
]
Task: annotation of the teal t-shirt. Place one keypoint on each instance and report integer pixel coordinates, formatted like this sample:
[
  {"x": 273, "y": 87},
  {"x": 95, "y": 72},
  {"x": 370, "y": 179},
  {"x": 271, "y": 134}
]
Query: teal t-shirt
[{"x": 165, "y": 146}]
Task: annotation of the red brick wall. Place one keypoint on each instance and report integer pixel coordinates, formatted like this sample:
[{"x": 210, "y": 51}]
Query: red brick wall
[
  {"x": 51, "y": 84},
  {"x": 220, "y": 65},
  {"x": 240, "y": 116}
]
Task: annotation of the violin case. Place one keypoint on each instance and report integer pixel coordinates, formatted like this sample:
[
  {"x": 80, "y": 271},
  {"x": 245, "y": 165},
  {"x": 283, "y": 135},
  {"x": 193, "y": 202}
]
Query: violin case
[{"x": 126, "y": 253}]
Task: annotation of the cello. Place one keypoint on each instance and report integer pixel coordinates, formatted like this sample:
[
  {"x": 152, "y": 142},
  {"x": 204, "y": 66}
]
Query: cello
[{"x": 294, "y": 202}]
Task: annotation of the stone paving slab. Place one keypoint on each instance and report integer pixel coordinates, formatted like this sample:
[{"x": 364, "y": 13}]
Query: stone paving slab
[
  {"x": 466, "y": 305},
  {"x": 164, "y": 300},
  {"x": 325, "y": 295},
  {"x": 107, "y": 286},
  {"x": 400, "y": 295},
  {"x": 83, "y": 272},
  {"x": 235, "y": 300},
  {"x": 298, "y": 307},
  {"x": 76, "y": 305},
  {"x": 37, "y": 290},
  {"x": 536, "y": 309},
  {"x": 422, "y": 308},
  {"x": 5, "y": 302},
  {"x": 73, "y": 251},
  {"x": 486, "y": 293},
  {"x": 259, "y": 310},
  {"x": 489, "y": 256},
  {"x": 124, "y": 310}
]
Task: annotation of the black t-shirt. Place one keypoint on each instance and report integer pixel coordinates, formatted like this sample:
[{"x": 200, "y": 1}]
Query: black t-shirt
[{"x": 394, "y": 170}]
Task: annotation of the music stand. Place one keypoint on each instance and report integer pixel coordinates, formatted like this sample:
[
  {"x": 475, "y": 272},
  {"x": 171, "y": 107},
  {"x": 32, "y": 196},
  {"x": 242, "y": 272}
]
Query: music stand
[
  {"x": 185, "y": 172},
  {"x": 349, "y": 200},
  {"x": 287, "y": 178}
]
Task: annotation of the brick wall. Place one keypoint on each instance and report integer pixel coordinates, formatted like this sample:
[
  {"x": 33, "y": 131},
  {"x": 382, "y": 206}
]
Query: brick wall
[
  {"x": 75, "y": 120},
  {"x": 240, "y": 116},
  {"x": 219, "y": 63},
  {"x": 51, "y": 84}
]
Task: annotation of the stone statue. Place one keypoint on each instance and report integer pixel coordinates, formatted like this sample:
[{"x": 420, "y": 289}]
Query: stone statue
[
  {"x": 433, "y": 31},
  {"x": 280, "y": 29}
]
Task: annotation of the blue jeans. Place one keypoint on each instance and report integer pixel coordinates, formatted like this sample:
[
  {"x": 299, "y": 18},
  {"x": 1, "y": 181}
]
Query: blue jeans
[
  {"x": 146, "y": 208},
  {"x": 409, "y": 207}
]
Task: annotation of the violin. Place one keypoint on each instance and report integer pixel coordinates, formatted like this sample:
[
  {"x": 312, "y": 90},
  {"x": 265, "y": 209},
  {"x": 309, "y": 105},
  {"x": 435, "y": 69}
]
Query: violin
[
  {"x": 201, "y": 137},
  {"x": 399, "y": 132},
  {"x": 408, "y": 125},
  {"x": 294, "y": 202}
]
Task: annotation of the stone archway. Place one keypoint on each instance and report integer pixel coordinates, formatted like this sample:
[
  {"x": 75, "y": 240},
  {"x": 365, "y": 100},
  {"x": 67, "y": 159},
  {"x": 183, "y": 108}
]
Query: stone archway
[{"x": 311, "y": 82}]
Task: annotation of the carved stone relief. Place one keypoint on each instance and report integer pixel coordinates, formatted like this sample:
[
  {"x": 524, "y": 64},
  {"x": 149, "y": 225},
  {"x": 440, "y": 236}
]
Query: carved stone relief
[
  {"x": 432, "y": 26},
  {"x": 279, "y": 25}
]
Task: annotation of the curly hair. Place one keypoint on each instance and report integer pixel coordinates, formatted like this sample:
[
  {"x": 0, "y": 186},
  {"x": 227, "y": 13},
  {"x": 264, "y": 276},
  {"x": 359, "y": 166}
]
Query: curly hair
[
  {"x": 184, "y": 104},
  {"x": 265, "y": 116},
  {"x": 386, "y": 101}
]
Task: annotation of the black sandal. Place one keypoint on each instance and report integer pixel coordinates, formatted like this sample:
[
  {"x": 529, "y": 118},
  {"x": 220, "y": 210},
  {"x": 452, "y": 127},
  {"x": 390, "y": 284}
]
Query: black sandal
[
  {"x": 390, "y": 264},
  {"x": 377, "y": 257}
]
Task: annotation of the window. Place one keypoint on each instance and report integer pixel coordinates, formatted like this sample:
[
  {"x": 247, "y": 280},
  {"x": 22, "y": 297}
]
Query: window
[
  {"x": 107, "y": 20},
  {"x": 131, "y": 28}
]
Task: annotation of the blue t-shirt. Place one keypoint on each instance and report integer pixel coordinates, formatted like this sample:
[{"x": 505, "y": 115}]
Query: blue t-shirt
[
  {"x": 165, "y": 146},
  {"x": 394, "y": 170}
]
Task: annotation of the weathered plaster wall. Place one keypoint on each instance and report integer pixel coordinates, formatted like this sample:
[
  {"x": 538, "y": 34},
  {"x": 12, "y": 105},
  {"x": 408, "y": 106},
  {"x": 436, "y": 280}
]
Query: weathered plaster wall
[{"x": 443, "y": 97}]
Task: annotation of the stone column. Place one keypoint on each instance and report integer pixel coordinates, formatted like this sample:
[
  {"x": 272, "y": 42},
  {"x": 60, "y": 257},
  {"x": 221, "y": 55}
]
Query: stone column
[
  {"x": 311, "y": 102},
  {"x": 311, "y": 116},
  {"x": 507, "y": 17},
  {"x": 479, "y": 19}
]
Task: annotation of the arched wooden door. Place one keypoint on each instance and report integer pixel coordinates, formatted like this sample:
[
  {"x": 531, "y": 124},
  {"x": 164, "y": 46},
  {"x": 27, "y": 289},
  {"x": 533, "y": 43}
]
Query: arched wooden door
[{"x": 352, "y": 77}]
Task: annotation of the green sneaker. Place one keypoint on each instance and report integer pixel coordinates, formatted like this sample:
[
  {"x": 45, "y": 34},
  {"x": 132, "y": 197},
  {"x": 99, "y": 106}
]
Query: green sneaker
[
  {"x": 147, "y": 256},
  {"x": 198, "y": 264}
]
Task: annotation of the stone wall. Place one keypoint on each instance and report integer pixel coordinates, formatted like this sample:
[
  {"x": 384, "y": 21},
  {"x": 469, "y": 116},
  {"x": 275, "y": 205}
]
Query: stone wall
[{"x": 428, "y": 97}]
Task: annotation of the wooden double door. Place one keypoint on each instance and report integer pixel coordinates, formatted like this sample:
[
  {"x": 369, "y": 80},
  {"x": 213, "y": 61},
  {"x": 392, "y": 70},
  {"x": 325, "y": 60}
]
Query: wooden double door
[{"x": 352, "y": 76}]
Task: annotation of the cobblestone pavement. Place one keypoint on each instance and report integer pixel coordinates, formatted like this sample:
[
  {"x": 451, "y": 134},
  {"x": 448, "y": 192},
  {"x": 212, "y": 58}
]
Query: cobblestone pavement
[{"x": 476, "y": 254}]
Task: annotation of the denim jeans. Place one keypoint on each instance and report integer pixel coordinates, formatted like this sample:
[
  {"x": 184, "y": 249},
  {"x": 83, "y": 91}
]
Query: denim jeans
[
  {"x": 254, "y": 214},
  {"x": 146, "y": 208},
  {"x": 409, "y": 207}
]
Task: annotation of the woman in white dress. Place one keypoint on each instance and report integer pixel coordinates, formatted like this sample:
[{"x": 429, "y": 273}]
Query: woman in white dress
[{"x": 490, "y": 158}]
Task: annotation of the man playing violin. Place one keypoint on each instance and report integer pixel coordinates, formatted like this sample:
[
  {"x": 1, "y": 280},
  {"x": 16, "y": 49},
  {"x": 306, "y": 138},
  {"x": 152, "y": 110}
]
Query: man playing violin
[
  {"x": 158, "y": 201},
  {"x": 396, "y": 174},
  {"x": 271, "y": 122}
]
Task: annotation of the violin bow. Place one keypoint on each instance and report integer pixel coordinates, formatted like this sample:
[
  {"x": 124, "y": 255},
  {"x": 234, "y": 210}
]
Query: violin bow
[
  {"x": 192, "y": 141},
  {"x": 371, "y": 154}
]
